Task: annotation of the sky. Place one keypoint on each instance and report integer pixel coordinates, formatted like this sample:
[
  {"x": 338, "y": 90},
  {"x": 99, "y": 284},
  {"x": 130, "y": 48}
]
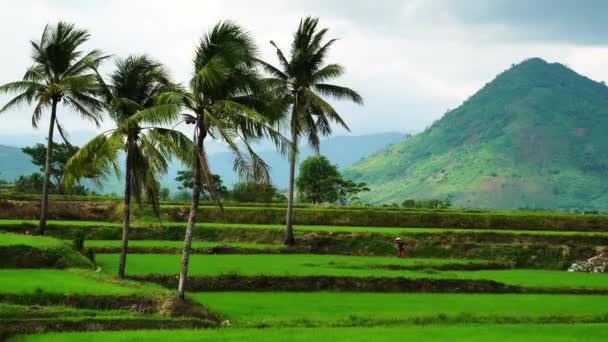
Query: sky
[{"x": 411, "y": 60}]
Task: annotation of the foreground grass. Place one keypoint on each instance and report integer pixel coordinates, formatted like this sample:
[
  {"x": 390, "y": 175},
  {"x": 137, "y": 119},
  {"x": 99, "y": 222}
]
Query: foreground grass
[
  {"x": 470, "y": 333},
  {"x": 36, "y": 281},
  {"x": 284, "y": 308},
  {"x": 271, "y": 264},
  {"x": 352, "y": 229},
  {"x": 175, "y": 244}
]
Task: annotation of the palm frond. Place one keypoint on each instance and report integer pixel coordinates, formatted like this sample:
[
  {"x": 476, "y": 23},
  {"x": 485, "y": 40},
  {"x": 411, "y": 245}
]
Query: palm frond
[
  {"x": 324, "y": 109},
  {"x": 282, "y": 59},
  {"x": 328, "y": 72},
  {"x": 98, "y": 157},
  {"x": 16, "y": 102},
  {"x": 338, "y": 92},
  {"x": 272, "y": 70}
]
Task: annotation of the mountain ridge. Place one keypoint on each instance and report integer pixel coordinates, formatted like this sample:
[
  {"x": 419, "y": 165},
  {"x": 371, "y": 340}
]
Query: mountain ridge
[
  {"x": 533, "y": 137},
  {"x": 13, "y": 162}
]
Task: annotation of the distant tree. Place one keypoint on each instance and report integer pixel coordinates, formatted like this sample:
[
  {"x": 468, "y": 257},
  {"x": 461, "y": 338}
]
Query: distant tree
[
  {"x": 61, "y": 154},
  {"x": 31, "y": 184},
  {"x": 255, "y": 192},
  {"x": 186, "y": 177},
  {"x": 318, "y": 180},
  {"x": 61, "y": 74},
  {"x": 303, "y": 82},
  {"x": 164, "y": 194},
  {"x": 427, "y": 204},
  {"x": 182, "y": 196},
  {"x": 348, "y": 191}
]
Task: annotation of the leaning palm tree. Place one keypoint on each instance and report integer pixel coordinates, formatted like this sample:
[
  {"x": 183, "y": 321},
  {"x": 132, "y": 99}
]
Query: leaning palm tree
[
  {"x": 301, "y": 81},
  {"x": 60, "y": 74},
  {"x": 129, "y": 98},
  {"x": 225, "y": 101}
]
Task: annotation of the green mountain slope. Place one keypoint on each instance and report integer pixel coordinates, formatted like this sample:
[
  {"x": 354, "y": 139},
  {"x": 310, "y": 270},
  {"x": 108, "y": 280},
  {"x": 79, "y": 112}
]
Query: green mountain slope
[{"x": 536, "y": 137}]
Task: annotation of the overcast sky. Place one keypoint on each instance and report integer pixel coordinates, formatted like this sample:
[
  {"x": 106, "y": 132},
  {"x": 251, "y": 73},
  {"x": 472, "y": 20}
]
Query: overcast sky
[{"x": 410, "y": 59}]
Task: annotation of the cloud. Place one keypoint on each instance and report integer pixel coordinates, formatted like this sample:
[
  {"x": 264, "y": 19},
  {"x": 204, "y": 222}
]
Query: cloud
[{"x": 410, "y": 59}]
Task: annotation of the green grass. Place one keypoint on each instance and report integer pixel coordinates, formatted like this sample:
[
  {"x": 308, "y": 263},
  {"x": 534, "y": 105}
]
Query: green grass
[
  {"x": 537, "y": 278},
  {"x": 270, "y": 264},
  {"x": 32, "y": 281},
  {"x": 352, "y": 229},
  {"x": 469, "y": 333},
  {"x": 285, "y": 307},
  {"x": 304, "y": 264},
  {"x": 174, "y": 244},
  {"x": 13, "y": 312},
  {"x": 8, "y": 239}
]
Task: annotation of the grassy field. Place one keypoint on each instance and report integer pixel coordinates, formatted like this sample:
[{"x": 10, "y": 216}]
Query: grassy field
[
  {"x": 7, "y": 239},
  {"x": 347, "y": 229},
  {"x": 32, "y": 281},
  {"x": 272, "y": 264},
  {"x": 11, "y": 311},
  {"x": 469, "y": 333},
  {"x": 175, "y": 244},
  {"x": 302, "y": 265},
  {"x": 294, "y": 307},
  {"x": 302, "y": 316}
]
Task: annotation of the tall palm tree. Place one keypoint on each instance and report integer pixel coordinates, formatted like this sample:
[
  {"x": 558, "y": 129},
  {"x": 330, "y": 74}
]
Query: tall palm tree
[
  {"x": 225, "y": 101},
  {"x": 60, "y": 74},
  {"x": 301, "y": 82},
  {"x": 129, "y": 98}
]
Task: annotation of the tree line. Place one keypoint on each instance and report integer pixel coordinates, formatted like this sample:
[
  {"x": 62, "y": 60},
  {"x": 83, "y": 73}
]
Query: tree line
[{"x": 232, "y": 96}]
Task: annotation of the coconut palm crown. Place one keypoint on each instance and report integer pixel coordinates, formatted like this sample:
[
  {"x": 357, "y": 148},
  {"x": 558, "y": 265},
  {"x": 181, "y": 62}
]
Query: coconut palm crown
[
  {"x": 61, "y": 74},
  {"x": 301, "y": 81},
  {"x": 225, "y": 101},
  {"x": 130, "y": 100}
]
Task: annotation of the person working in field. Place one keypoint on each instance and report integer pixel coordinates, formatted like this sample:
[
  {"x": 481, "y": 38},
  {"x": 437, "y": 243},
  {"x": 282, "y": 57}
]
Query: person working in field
[{"x": 400, "y": 247}]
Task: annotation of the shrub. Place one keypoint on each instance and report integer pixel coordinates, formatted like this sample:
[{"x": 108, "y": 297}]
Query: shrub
[{"x": 78, "y": 241}]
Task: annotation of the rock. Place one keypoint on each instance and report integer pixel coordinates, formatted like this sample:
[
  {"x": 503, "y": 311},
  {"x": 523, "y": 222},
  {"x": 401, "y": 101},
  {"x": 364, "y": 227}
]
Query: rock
[{"x": 596, "y": 264}]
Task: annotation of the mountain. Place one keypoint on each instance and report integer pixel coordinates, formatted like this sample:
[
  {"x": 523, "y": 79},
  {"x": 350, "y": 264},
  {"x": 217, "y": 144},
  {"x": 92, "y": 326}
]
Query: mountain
[
  {"x": 535, "y": 137},
  {"x": 341, "y": 150},
  {"x": 14, "y": 163}
]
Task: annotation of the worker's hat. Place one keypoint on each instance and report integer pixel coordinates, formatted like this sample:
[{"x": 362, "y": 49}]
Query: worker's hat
[{"x": 398, "y": 238}]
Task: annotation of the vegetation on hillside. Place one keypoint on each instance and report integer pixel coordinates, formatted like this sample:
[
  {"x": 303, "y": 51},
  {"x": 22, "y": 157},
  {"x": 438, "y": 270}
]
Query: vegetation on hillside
[{"x": 534, "y": 137}]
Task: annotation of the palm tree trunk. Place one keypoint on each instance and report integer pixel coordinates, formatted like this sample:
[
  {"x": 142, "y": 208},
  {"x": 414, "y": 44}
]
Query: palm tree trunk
[
  {"x": 196, "y": 193},
  {"x": 47, "y": 171},
  {"x": 289, "y": 237},
  {"x": 127, "y": 209}
]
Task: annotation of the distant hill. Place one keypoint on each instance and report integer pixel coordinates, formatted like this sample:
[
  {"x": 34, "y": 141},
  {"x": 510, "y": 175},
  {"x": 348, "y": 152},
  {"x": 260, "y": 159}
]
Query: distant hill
[
  {"x": 341, "y": 150},
  {"x": 14, "y": 163},
  {"x": 535, "y": 137}
]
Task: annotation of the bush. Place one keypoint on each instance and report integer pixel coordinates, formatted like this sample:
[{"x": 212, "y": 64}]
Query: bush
[
  {"x": 78, "y": 241},
  {"x": 255, "y": 192}
]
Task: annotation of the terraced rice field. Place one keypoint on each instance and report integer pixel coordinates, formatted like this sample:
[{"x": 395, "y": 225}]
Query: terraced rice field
[{"x": 463, "y": 284}]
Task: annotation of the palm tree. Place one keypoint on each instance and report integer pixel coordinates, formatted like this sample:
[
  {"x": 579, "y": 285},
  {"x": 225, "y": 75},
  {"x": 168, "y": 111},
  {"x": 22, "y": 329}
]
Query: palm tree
[
  {"x": 130, "y": 101},
  {"x": 301, "y": 82},
  {"x": 225, "y": 101},
  {"x": 60, "y": 74}
]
